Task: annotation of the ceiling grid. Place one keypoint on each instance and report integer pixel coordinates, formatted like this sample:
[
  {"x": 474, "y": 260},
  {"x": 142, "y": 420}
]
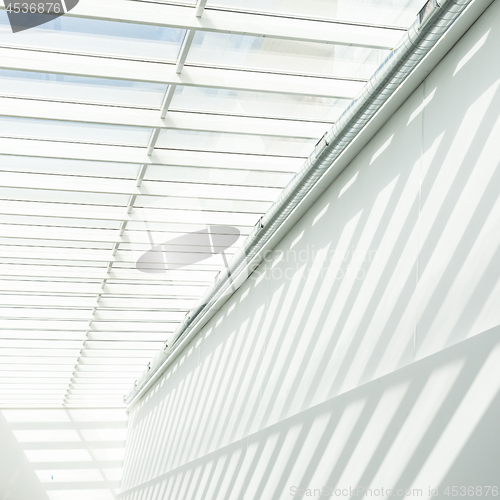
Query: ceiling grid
[{"x": 130, "y": 132}]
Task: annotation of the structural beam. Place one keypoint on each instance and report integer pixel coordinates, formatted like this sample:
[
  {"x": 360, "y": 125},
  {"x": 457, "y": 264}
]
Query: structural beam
[
  {"x": 239, "y": 23},
  {"x": 229, "y": 79},
  {"x": 169, "y": 95},
  {"x": 138, "y": 156},
  {"x": 184, "y": 52},
  {"x": 35, "y": 181},
  {"x": 200, "y": 7},
  {"x": 175, "y": 120}
]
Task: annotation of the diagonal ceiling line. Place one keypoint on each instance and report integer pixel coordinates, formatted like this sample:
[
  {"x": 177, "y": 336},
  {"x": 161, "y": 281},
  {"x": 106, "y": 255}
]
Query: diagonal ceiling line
[
  {"x": 116, "y": 246},
  {"x": 179, "y": 66}
]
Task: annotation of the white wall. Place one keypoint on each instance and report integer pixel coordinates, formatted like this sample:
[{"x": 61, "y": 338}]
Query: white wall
[
  {"x": 61, "y": 454},
  {"x": 367, "y": 352}
]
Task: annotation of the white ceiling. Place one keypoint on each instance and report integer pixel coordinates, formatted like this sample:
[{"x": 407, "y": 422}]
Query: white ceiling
[{"x": 127, "y": 124}]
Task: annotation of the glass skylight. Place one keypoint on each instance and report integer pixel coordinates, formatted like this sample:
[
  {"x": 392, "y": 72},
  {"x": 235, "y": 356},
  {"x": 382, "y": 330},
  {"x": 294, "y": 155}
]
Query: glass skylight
[
  {"x": 102, "y": 38},
  {"x": 284, "y": 56},
  {"x": 378, "y": 12},
  {"x": 66, "y": 88},
  {"x": 125, "y": 142}
]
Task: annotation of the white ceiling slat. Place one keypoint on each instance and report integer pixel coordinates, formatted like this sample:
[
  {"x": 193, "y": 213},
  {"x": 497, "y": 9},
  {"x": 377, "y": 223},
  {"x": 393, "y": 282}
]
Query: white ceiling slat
[
  {"x": 121, "y": 301},
  {"x": 20, "y": 352},
  {"x": 152, "y": 217},
  {"x": 159, "y": 336},
  {"x": 122, "y": 360},
  {"x": 177, "y": 120},
  {"x": 232, "y": 175},
  {"x": 49, "y": 334},
  {"x": 27, "y": 324},
  {"x": 33, "y": 379},
  {"x": 34, "y": 233},
  {"x": 135, "y": 155},
  {"x": 53, "y": 390},
  {"x": 238, "y": 23},
  {"x": 11, "y": 270},
  {"x": 7, "y": 375},
  {"x": 40, "y": 360},
  {"x": 155, "y": 290},
  {"x": 48, "y": 287},
  {"x": 154, "y": 302},
  {"x": 58, "y": 244},
  {"x": 31, "y": 312},
  {"x": 148, "y": 188},
  {"x": 32, "y": 387},
  {"x": 57, "y": 199},
  {"x": 101, "y": 375},
  {"x": 64, "y": 370},
  {"x": 166, "y": 290},
  {"x": 58, "y": 299},
  {"x": 101, "y": 314},
  {"x": 72, "y": 255},
  {"x": 56, "y": 233},
  {"x": 40, "y": 344},
  {"x": 103, "y": 344},
  {"x": 230, "y": 79},
  {"x": 31, "y": 401},
  {"x": 142, "y": 316},
  {"x": 132, "y": 370},
  {"x": 34, "y": 271}
]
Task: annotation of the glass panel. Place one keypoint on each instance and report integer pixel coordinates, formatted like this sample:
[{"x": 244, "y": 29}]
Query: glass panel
[
  {"x": 81, "y": 89},
  {"x": 44, "y": 360},
  {"x": 246, "y": 103},
  {"x": 34, "y": 220},
  {"x": 234, "y": 143},
  {"x": 35, "y": 243},
  {"x": 68, "y": 167},
  {"x": 272, "y": 54},
  {"x": 383, "y": 12},
  {"x": 73, "y": 132},
  {"x": 54, "y": 196},
  {"x": 173, "y": 227},
  {"x": 212, "y": 205},
  {"x": 40, "y": 344},
  {"x": 202, "y": 175},
  {"x": 91, "y": 36},
  {"x": 56, "y": 234}
]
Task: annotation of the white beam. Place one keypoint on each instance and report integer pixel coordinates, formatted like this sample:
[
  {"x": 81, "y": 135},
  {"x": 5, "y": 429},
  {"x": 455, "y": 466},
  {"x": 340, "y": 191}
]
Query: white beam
[
  {"x": 152, "y": 141},
  {"x": 184, "y": 52},
  {"x": 125, "y": 187},
  {"x": 66, "y": 300},
  {"x": 176, "y": 120},
  {"x": 239, "y": 23},
  {"x": 57, "y": 233},
  {"x": 138, "y": 183},
  {"x": 200, "y": 7},
  {"x": 169, "y": 95},
  {"x": 47, "y": 62},
  {"x": 138, "y": 156},
  {"x": 75, "y": 300},
  {"x": 130, "y": 317}
]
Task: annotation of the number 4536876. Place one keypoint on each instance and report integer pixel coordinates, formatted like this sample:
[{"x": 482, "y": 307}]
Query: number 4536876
[
  {"x": 471, "y": 491},
  {"x": 35, "y": 8}
]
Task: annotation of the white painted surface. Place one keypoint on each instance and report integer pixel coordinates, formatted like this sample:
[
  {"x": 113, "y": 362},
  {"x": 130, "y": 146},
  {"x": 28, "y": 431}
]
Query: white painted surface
[
  {"x": 61, "y": 454},
  {"x": 366, "y": 352}
]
